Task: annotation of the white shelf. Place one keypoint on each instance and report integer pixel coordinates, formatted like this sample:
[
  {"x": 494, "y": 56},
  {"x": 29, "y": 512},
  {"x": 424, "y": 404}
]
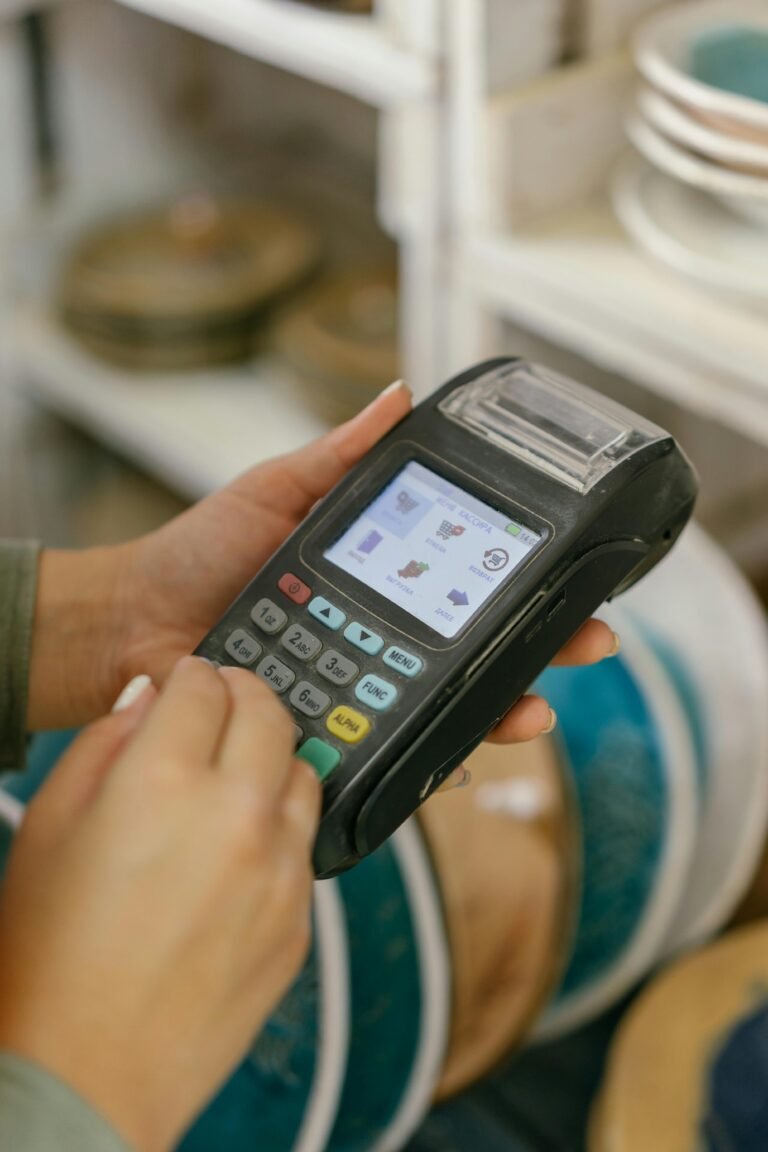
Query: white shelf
[
  {"x": 347, "y": 52},
  {"x": 579, "y": 282},
  {"x": 194, "y": 433}
]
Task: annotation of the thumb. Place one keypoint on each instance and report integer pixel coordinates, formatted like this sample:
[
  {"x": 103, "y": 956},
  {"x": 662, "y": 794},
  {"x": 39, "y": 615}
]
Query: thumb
[
  {"x": 78, "y": 775},
  {"x": 303, "y": 477}
]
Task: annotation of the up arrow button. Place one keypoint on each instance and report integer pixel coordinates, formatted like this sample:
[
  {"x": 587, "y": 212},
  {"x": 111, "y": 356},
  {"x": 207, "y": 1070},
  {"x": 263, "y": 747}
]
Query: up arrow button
[{"x": 326, "y": 613}]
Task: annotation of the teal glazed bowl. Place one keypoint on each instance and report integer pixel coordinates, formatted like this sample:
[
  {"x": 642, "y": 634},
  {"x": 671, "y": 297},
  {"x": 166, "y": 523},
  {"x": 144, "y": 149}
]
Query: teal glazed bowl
[
  {"x": 628, "y": 754},
  {"x": 707, "y": 627},
  {"x": 733, "y": 58}
]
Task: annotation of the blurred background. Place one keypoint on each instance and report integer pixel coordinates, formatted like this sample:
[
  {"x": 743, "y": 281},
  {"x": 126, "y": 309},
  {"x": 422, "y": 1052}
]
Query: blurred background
[
  {"x": 224, "y": 227},
  {"x": 443, "y": 177}
]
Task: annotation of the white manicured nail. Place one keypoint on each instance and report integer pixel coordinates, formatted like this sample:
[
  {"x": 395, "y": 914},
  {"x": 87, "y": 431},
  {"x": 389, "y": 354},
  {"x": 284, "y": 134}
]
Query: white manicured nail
[
  {"x": 395, "y": 386},
  {"x": 131, "y": 693},
  {"x": 459, "y": 778},
  {"x": 11, "y": 810}
]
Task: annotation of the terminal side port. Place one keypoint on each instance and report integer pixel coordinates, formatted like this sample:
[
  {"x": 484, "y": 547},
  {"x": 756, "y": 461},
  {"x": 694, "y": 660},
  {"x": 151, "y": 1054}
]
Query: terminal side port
[{"x": 558, "y": 604}]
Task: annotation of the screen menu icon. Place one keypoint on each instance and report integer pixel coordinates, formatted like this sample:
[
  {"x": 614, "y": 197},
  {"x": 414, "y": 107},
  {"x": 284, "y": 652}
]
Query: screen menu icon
[{"x": 370, "y": 543}]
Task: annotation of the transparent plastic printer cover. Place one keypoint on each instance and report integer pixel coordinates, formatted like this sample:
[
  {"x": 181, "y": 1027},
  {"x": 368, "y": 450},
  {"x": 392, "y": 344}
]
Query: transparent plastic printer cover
[{"x": 554, "y": 424}]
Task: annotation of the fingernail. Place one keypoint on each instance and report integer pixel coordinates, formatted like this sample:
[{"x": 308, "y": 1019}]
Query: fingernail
[
  {"x": 552, "y": 723},
  {"x": 395, "y": 386},
  {"x": 459, "y": 778},
  {"x": 11, "y": 810},
  {"x": 616, "y": 647},
  {"x": 130, "y": 694}
]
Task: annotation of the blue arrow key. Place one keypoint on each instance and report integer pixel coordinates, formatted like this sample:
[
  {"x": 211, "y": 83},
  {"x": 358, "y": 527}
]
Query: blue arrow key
[
  {"x": 326, "y": 613},
  {"x": 363, "y": 638}
]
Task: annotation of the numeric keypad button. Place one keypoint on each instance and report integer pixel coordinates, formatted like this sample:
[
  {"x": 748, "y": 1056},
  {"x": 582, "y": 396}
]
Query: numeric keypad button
[
  {"x": 278, "y": 675},
  {"x": 309, "y": 699},
  {"x": 268, "y": 617},
  {"x": 243, "y": 647},
  {"x": 337, "y": 668},
  {"x": 300, "y": 643}
]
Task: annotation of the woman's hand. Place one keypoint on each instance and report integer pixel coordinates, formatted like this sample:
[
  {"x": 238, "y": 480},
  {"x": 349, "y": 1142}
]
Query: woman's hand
[
  {"x": 107, "y": 615},
  {"x": 156, "y": 903}
]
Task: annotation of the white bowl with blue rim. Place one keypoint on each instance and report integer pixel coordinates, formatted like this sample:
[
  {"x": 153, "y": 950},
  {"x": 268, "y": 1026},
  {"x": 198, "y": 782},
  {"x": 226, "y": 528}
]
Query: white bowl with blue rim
[
  {"x": 711, "y": 58},
  {"x": 628, "y": 751},
  {"x": 744, "y": 193},
  {"x": 716, "y": 146},
  {"x": 708, "y": 628}
]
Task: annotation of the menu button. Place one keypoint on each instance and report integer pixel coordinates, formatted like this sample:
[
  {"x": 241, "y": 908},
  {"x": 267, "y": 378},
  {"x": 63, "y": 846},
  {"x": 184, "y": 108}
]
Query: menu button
[{"x": 403, "y": 662}]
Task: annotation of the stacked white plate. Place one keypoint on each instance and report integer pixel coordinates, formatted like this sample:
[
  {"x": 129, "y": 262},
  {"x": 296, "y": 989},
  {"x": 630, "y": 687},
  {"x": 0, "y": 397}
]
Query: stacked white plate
[{"x": 698, "y": 200}]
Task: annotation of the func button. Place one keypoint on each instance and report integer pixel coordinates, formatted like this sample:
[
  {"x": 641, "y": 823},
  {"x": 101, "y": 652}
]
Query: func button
[
  {"x": 348, "y": 725},
  {"x": 376, "y": 693}
]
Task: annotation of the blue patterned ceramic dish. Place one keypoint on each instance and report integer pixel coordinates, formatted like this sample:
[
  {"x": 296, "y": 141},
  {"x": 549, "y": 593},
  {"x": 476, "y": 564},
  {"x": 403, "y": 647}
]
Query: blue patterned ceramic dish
[
  {"x": 628, "y": 751},
  {"x": 707, "y": 627}
]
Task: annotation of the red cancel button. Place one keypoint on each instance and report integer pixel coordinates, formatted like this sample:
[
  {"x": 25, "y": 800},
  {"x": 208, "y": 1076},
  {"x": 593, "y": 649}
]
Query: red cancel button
[{"x": 294, "y": 588}]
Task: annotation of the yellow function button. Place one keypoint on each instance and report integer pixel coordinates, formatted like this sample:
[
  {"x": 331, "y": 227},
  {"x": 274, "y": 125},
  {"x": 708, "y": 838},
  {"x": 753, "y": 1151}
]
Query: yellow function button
[{"x": 348, "y": 725}]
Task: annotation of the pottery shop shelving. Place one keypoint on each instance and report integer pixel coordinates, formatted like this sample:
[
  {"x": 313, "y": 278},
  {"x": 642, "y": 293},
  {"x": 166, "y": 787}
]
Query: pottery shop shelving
[{"x": 492, "y": 161}]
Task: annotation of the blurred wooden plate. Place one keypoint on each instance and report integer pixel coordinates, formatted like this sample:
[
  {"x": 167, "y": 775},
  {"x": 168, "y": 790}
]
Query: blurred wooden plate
[
  {"x": 342, "y": 337},
  {"x": 504, "y": 854},
  {"x": 689, "y": 1065},
  {"x": 183, "y": 285}
]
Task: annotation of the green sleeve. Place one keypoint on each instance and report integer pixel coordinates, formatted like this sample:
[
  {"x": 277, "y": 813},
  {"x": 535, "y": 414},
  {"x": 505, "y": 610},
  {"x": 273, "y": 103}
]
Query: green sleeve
[
  {"x": 38, "y": 1113},
  {"x": 18, "y": 584}
]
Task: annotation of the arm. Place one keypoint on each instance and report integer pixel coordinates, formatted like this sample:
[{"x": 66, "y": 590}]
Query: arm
[
  {"x": 79, "y": 620},
  {"x": 39, "y": 1113}
]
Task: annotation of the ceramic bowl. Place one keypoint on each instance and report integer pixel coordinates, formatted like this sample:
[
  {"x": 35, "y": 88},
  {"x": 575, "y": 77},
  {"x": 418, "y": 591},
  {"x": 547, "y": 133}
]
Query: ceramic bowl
[
  {"x": 692, "y": 233},
  {"x": 714, "y": 645},
  {"x": 628, "y": 751},
  {"x": 728, "y": 151},
  {"x": 747, "y": 195},
  {"x": 706, "y": 56}
]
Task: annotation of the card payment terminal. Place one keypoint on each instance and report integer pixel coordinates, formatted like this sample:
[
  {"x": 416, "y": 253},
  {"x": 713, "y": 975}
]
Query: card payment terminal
[{"x": 425, "y": 593}]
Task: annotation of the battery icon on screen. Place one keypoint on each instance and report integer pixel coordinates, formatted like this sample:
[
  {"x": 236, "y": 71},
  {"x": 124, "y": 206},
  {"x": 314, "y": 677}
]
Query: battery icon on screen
[{"x": 513, "y": 529}]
